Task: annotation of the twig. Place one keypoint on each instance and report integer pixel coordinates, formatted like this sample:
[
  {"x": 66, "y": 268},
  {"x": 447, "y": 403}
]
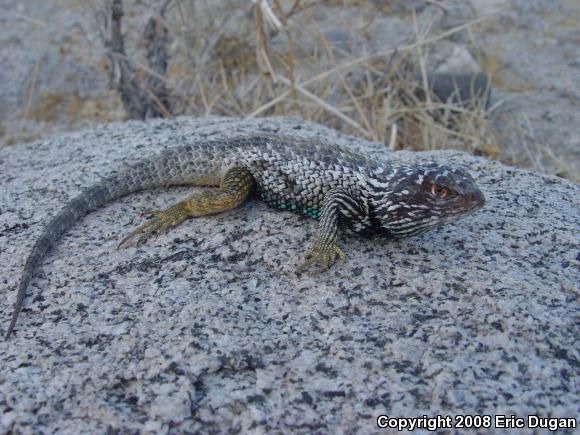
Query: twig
[
  {"x": 269, "y": 104},
  {"x": 326, "y": 106},
  {"x": 24, "y": 17},
  {"x": 268, "y": 14},
  {"x": 32, "y": 87},
  {"x": 289, "y": 59},
  {"x": 157, "y": 39},
  {"x": 422, "y": 61},
  {"x": 215, "y": 37},
  {"x": 393, "y": 140},
  {"x": 261, "y": 46},
  {"x": 346, "y": 87},
  {"x": 136, "y": 95},
  {"x": 438, "y": 4},
  {"x": 160, "y": 105}
]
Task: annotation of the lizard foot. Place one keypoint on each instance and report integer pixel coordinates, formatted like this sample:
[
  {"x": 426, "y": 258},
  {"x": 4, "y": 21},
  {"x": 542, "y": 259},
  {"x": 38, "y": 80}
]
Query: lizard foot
[
  {"x": 161, "y": 222},
  {"x": 322, "y": 255}
]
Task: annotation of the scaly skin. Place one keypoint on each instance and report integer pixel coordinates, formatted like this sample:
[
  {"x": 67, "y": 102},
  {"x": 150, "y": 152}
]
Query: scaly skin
[{"x": 343, "y": 190}]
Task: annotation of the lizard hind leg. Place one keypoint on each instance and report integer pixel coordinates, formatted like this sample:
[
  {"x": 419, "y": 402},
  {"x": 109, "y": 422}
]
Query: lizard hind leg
[{"x": 235, "y": 187}]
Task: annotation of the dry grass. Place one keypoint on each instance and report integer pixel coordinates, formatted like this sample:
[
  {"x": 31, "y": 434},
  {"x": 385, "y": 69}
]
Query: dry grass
[
  {"x": 250, "y": 58},
  {"x": 274, "y": 59}
]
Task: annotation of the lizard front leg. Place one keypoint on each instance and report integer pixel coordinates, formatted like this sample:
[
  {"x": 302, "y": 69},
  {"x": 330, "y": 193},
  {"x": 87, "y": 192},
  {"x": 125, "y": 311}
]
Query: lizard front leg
[
  {"x": 235, "y": 187},
  {"x": 325, "y": 252}
]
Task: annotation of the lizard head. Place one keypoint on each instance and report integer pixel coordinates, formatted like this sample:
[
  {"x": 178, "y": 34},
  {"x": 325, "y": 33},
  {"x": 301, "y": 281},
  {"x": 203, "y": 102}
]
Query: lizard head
[{"x": 419, "y": 198}]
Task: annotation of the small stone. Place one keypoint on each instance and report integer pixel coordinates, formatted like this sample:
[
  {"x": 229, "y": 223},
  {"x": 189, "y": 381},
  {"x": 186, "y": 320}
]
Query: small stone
[{"x": 459, "y": 60}]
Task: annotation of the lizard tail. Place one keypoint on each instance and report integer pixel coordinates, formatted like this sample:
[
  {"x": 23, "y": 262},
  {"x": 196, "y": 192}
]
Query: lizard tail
[
  {"x": 167, "y": 169},
  {"x": 71, "y": 213}
]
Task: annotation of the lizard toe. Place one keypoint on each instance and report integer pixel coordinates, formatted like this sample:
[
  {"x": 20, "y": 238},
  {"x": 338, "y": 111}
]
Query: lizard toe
[
  {"x": 321, "y": 257},
  {"x": 150, "y": 213}
]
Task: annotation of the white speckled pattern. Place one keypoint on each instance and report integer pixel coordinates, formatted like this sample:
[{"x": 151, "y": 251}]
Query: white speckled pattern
[{"x": 208, "y": 328}]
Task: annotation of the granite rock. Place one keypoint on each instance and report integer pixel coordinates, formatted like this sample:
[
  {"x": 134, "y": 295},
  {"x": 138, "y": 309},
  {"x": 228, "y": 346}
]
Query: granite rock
[{"x": 209, "y": 328}]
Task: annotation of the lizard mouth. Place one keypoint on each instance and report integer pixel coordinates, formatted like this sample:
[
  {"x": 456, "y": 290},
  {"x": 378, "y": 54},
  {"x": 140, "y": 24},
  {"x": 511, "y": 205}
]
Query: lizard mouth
[{"x": 474, "y": 200}]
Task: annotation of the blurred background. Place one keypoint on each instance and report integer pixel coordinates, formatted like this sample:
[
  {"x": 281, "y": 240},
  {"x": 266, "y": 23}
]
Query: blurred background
[{"x": 497, "y": 78}]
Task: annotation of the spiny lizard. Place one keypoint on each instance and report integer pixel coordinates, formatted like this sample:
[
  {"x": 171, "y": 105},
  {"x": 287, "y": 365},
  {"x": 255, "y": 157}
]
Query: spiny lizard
[{"x": 342, "y": 189}]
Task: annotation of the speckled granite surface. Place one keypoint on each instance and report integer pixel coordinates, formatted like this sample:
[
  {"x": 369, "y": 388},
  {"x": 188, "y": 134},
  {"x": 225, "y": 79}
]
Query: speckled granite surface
[{"x": 208, "y": 328}]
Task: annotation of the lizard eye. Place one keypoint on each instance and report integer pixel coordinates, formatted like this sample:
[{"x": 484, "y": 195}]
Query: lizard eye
[{"x": 438, "y": 191}]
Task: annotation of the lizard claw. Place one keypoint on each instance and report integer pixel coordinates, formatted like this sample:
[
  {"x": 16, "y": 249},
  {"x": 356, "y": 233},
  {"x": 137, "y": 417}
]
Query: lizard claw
[
  {"x": 160, "y": 223},
  {"x": 322, "y": 256},
  {"x": 150, "y": 213},
  {"x": 137, "y": 236}
]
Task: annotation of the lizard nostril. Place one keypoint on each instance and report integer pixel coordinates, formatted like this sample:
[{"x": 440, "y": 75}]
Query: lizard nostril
[{"x": 476, "y": 197}]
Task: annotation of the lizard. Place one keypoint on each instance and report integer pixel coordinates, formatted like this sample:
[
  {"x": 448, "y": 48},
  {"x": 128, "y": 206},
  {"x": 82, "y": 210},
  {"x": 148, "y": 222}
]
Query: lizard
[{"x": 342, "y": 189}]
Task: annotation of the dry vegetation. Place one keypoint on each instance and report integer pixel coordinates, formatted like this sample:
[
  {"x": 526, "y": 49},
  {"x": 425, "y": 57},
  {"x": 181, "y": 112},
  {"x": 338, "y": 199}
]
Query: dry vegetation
[
  {"x": 249, "y": 58},
  {"x": 264, "y": 58}
]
